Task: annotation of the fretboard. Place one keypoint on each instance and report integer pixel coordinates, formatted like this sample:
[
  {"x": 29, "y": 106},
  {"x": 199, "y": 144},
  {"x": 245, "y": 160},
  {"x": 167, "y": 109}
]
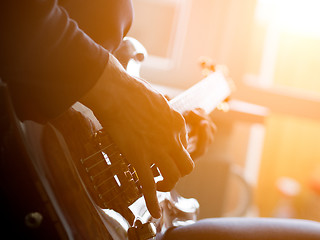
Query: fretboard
[{"x": 206, "y": 94}]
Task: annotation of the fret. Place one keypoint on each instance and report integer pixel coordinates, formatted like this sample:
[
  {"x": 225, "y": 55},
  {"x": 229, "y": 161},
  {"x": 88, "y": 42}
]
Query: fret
[{"x": 206, "y": 94}]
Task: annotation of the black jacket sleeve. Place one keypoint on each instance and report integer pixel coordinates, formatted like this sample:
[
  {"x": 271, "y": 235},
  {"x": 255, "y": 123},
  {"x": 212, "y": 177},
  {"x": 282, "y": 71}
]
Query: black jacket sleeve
[{"x": 46, "y": 59}]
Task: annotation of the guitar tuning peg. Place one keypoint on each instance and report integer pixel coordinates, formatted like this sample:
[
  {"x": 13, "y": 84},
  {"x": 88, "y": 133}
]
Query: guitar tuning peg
[
  {"x": 224, "y": 106},
  {"x": 207, "y": 65},
  {"x": 205, "y": 72}
]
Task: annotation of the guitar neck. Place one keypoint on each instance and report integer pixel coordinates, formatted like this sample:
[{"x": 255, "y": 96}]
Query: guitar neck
[{"x": 206, "y": 94}]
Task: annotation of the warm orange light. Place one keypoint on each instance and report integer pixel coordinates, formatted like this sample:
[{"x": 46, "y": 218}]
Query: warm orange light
[{"x": 296, "y": 16}]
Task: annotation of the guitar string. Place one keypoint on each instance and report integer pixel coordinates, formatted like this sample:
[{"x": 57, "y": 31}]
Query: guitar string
[
  {"x": 196, "y": 88},
  {"x": 119, "y": 187},
  {"x": 214, "y": 83},
  {"x": 113, "y": 165},
  {"x": 102, "y": 159},
  {"x": 118, "y": 162},
  {"x": 92, "y": 155},
  {"x": 121, "y": 190},
  {"x": 112, "y": 177},
  {"x": 95, "y": 164},
  {"x": 116, "y": 195}
]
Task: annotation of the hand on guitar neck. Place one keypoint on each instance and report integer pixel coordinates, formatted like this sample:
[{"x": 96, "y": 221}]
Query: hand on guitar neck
[
  {"x": 201, "y": 131},
  {"x": 144, "y": 126}
]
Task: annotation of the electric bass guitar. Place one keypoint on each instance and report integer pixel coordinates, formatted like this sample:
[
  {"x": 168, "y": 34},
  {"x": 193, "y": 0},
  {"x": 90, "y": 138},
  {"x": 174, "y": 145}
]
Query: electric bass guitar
[{"x": 67, "y": 180}]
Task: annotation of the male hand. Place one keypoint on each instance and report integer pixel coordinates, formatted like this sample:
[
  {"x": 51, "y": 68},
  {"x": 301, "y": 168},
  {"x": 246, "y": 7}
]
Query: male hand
[
  {"x": 144, "y": 127},
  {"x": 201, "y": 132}
]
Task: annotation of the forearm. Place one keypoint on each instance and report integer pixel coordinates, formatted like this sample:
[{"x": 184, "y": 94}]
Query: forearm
[
  {"x": 105, "y": 21},
  {"x": 47, "y": 60}
]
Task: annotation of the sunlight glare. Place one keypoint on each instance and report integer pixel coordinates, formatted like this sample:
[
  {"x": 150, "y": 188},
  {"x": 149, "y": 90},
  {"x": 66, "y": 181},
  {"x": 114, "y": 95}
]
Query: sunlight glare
[{"x": 296, "y": 16}]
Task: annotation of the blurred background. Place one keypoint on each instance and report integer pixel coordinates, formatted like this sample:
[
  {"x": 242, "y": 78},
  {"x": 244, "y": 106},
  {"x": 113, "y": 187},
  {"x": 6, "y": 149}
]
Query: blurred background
[{"x": 265, "y": 160}]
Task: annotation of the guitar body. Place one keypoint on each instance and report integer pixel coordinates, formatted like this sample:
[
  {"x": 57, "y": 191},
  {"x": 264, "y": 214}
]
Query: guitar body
[
  {"x": 39, "y": 177},
  {"x": 22, "y": 190},
  {"x": 66, "y": 179},
  {"x": 53, "y": 176}
]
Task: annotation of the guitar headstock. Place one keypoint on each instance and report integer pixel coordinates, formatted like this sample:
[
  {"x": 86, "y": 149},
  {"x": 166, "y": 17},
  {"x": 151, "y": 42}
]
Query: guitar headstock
[{"x": 207, "y": 67}]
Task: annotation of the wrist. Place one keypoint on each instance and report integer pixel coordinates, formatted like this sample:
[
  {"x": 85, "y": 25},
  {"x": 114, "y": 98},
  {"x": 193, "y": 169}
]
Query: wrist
[
  {"x": 103, "y": 93},
  {"x": 116, "y": 94}
]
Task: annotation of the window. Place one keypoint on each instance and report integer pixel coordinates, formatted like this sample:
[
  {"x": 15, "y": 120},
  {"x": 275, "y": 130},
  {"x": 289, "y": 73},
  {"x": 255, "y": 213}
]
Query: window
[
  {"x": 160, "y": 25},
  {"x": 286, "y": 36},
  {"x": 271, "y": 48}
]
